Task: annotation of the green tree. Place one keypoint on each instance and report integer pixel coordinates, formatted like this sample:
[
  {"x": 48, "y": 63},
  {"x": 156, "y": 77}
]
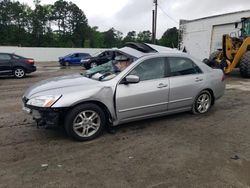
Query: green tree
[
  {"x": 13, "y": 23},
  {"x": 60, "y": 14},
  {"x": 144, "y": 36},
  {"x": 170, "y": 38},
  {"x": 131, "y": 37},
  {"x": 40, "y": 24},
  {"x": 77, "y": 24},
  {"x": 112, "y": 38},
  {"x": 96, "y": 38}
]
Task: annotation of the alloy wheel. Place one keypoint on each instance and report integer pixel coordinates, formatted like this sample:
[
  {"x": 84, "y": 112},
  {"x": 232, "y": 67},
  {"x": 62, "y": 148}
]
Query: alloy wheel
[
  {"x": 86, "y": 123},
  {"x": 19, "y": 73},
  {"x": 203, "y": 103}
]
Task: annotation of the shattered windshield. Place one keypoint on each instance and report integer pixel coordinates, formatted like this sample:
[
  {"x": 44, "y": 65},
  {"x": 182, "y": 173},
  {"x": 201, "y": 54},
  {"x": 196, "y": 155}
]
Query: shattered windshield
[
  {"x": 111, "y": 69},
  {"x": 103, "y": 72}
]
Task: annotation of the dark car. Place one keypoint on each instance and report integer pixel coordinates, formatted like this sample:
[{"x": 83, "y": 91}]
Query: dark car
[
  {"x": 12, "y": 64},
  {"x": 99, "y": 58},
  {"x": 73, "y": 59}
]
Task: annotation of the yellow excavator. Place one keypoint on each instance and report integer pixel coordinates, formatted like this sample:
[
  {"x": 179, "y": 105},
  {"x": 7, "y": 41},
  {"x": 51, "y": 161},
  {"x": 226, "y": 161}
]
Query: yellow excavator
[{"x": 235, "y": 51}]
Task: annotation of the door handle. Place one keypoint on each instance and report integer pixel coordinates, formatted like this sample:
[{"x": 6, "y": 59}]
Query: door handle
[
  {"x": 198, "y": 79},
  {"x": 161, "y": 85}
]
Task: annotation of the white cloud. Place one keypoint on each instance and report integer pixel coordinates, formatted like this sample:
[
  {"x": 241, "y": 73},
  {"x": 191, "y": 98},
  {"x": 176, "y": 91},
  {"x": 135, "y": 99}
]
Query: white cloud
[{"x": 128, "y": 15}]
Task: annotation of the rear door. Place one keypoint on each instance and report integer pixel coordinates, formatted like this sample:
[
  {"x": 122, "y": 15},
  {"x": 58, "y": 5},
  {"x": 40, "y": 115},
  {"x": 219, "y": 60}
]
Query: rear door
[
  {"x": 186, "y": 81},
  {"x": 5, "y": 64},
  {"x": 76, "y": 58},
  {"x": 149, "y": 96}
]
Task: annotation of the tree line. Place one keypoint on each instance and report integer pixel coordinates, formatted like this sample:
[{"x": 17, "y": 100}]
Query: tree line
[{"x": 63, "y": 24}]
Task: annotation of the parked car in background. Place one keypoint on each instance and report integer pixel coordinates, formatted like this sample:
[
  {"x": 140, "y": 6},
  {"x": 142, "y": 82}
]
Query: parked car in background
[
  {"x": 154, "y": 84},
  {"x": 73, "y": 59},
  {"x": 12, "y": 64},
  {"x": 99, "y": 58}
]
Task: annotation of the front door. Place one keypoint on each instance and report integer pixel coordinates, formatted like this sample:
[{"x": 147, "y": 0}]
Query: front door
[{"x": 149, "y": 96}]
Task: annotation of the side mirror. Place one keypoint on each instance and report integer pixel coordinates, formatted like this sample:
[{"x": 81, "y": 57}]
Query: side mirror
[{"x": 131, "y": 79}]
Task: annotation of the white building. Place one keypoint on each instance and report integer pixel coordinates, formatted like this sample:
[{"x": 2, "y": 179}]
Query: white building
[{"x": 201, "y": 37}]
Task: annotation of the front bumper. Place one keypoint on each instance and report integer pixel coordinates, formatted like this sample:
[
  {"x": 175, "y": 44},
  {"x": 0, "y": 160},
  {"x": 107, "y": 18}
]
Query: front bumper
[
  {"x": 86, "y": 64},
  {"x": 47, "y": 117}
]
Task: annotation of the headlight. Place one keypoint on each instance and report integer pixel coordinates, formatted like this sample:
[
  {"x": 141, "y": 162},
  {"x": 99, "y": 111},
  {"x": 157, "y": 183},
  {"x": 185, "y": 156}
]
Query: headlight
[
  {"x": 43, "y": 101},
  {"x": 84, "y": 60}
]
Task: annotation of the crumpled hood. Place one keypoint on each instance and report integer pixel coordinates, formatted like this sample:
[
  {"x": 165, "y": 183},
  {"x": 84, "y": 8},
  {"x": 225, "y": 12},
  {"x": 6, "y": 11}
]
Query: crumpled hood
[{"x": 61, "y": 84}]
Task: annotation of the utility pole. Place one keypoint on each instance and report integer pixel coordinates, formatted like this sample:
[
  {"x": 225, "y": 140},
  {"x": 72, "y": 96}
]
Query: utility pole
[
  {"x": 154, "y": 22},
  {"x": 153, "y": 26}
]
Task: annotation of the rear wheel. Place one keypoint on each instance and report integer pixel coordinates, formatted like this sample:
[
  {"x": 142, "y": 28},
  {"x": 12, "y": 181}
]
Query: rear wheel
[
  {"x": 85, "y": 122},
  {"x": 202, "y": 103},
  {"x": 245, "y": 65},
  {"x": 19, "y": 72}
]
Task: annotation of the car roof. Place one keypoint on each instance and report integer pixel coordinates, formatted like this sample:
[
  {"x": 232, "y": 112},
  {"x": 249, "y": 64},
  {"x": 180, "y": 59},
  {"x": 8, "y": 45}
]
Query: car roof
[
  {"x": 139, "y": 50},
  {"x": 163, "y": 49}
]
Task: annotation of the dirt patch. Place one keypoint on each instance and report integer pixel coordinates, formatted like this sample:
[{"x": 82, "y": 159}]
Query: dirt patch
[{"x": 181, "y": 150}]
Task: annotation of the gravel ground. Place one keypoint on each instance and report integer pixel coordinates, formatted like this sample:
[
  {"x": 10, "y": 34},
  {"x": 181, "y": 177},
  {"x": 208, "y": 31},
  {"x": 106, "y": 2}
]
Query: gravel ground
[{"x": 183, "y": 150}]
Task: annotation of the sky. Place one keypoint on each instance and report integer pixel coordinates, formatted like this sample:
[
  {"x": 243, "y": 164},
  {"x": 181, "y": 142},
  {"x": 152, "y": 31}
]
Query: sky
[{"x": 129, "y": 15}]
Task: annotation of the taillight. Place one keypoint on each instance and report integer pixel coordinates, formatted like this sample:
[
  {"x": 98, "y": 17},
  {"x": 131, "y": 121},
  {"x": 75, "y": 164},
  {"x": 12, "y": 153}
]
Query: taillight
[
  {"x": 223, "y": 77},
  {"x": 30, "y": 61}
]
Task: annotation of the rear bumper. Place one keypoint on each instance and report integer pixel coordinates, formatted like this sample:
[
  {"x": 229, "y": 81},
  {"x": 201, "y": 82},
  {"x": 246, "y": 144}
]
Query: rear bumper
[{"x": 31, "y": 69}]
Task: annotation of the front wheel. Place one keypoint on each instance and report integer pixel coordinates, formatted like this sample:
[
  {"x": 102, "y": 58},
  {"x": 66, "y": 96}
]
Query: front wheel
[
  {"x": 245, "y": 65},
  {"x": 202, "y": 103},
  {"x": 19, "y": 72},
  {"x": 85, "y": 122}
]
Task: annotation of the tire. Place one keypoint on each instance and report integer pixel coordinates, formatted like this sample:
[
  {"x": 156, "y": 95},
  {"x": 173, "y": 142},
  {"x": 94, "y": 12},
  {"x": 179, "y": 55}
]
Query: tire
[
  {"x": 202, "y": 103},
  {"x": 214, "y": 55},
  {"x": 86, "y": 66},
  {"x": 93, "y": 64},
  {"x": 19, "y": 72},
  {"x": 79, "y": 124},
  {"x": 245, "y": 65},
  {"x": 62, "y": 64}
]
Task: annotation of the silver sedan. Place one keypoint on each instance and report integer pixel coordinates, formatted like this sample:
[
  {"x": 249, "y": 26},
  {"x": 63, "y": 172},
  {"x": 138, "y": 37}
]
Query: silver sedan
[{"x": 156, "y": 84}]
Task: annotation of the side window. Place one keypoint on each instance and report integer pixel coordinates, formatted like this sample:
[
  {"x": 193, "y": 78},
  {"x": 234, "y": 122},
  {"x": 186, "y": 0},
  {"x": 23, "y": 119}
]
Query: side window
[
  {"x": 102, "y": 54},
  {"x": 5, "y": 57},
  {"x": 76, "y": 55},
  {"x": 182, "y": 66},
  {"x": 150, "y": 69}
]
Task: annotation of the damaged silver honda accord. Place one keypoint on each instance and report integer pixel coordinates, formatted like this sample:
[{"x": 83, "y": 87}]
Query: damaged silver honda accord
[{"x": 142, "y": 83}]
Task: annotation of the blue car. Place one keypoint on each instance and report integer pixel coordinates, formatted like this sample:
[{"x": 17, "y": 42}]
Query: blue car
[{"x": 73, "y": 59}]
